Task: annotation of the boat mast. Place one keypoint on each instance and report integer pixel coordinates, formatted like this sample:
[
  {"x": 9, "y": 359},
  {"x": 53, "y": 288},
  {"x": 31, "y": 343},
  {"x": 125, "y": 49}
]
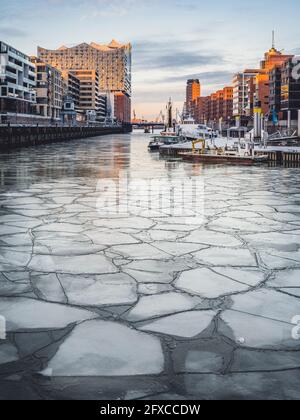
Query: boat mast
[{"x": 170, "y": 114}]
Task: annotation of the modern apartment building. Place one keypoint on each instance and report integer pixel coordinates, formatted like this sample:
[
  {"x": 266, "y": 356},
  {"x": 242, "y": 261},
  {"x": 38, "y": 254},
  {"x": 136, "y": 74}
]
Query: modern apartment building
[
  {"x": 49, "y": 90},
  {"x": 71, "y": 87},
  {"x": 227, "y": 103},
  {"x": 243, "y": 92},
  {"x": 193, "y": 92},
  {"x": 290, "y": 89},
  {"x": 254, "y": 88},
  {"x": 89, "y": 89},
  {"x": 273, "y": 58},
  {"x": 200, "y": 106},
  {"x": 112, "y": 62},
  {"x": 17, "y": 81},
  {"x": 275, "y": 92},
  {"x": 214, "y": 107}
]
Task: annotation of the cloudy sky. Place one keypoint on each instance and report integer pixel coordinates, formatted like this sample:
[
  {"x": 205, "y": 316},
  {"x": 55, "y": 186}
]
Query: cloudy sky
[{"x": 172, "y": 39}]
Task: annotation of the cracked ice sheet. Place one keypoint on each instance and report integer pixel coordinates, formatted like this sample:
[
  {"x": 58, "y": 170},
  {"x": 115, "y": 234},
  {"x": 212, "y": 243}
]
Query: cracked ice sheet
[
  {"x": 24, "y": 314},
  {"x": 158, "y": 305},
  {"x": 10, "y": 230},
  {"x": 8, "y": 288},
  {"x": 131, "y": 223},
  {"x": 23, "y": 239},
  {"x": 8, "y": 353},
  {"x": 48, "y": 287},
  {"x": 114, "y": 289},
  {"x": 153, "y": 271},
  {"x": 227, "y": 257},
  {"x": 153, "y": 288},
  {"x": 248, "y": 225},
  {"x": 262, "y": 318},
  {"x": 187, "y": 324},
  {"x": 177, "y": 249},
  {"x": 81, "y": 264},
  {"x": 59, "y": 227},
  {"x": 14, "y": 259},
  {"x": 210, "y": 284},
  {"x": 286, "y": 242},
  {"x": 110, "y": 237},
  {"x": 159, "y": 235},
  {"x": 207, "y": 237},
  {"x": 278, "y": 260},
  {"x": 140, "y": 252},
  {"x": 287, "y": 279},
  {"x": 65, "y": 248},
  {"x": 99, "y": 348}
]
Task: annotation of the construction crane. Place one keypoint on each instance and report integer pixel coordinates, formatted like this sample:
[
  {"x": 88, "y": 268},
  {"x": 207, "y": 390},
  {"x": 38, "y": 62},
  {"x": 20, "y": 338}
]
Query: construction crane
[{"x": 160, "y": 118}]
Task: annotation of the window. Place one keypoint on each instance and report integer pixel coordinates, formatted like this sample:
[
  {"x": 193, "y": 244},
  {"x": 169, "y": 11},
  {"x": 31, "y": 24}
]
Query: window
[
  {"x": 3, "y": 91},
  {"x": 3, "y": 48}
]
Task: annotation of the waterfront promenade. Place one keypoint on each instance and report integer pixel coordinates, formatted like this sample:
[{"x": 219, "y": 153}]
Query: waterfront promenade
[{"x": 201, "y": 305}]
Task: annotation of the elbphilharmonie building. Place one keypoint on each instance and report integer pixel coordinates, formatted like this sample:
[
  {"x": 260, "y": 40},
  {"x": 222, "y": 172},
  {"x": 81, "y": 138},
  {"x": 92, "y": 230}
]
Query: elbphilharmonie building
[{"x": 112, "y": 62}]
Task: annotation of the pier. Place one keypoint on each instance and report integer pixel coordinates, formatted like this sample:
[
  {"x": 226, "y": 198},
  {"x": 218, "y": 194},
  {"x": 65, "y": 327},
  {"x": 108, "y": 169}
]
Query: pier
[
  {"x": 286, "y": 156},
  {"x": 283, "y": 157},
  {"x": 12, "y": 137}
]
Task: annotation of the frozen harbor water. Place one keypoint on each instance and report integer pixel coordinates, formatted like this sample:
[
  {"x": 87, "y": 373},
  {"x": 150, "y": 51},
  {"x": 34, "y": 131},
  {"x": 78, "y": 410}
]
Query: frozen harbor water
[{"x": 149, "y": 304}]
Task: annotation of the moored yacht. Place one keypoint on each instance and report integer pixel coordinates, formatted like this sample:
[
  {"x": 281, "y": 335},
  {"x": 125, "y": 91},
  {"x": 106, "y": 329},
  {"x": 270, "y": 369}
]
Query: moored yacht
[{"x": 189, "y": 129}]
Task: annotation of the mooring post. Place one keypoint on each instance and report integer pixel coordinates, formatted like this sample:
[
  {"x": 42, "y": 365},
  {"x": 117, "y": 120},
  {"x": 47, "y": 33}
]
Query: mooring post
[{"x": 289, "y": 122}]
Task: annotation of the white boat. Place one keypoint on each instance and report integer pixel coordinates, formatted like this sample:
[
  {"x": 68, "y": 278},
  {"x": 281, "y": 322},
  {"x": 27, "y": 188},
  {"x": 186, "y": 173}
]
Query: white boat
[
  {"x": 189, "y": 129},
  {"x": 165, "y": 138}
]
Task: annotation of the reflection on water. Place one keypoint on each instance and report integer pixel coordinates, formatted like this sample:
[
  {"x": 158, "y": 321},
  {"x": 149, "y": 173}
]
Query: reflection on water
[{"x": 96, "y": 158}]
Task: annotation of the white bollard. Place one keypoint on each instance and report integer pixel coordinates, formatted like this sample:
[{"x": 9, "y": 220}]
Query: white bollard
[{"x": 255, "y": 125}]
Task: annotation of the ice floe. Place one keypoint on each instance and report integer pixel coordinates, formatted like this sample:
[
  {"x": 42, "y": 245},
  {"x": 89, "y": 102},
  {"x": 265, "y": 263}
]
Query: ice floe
[
  {"x": 208, "y": 284},
  {"x": 99, "y": 348},
  {"x": 159, "y": 305},
  {"x": 24, "y": 314},
  {"x": 113, "y": 289},
  {"x": 187, "y": 324},
  {"x": 81, "y": 264},
  {"x": 227, "y": 257}
]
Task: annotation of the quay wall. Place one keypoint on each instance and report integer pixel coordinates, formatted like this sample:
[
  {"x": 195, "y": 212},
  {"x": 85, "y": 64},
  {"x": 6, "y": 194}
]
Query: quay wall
[
  {"x": 282, "y": 157},
  {"x": 14, "y": 137}
]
